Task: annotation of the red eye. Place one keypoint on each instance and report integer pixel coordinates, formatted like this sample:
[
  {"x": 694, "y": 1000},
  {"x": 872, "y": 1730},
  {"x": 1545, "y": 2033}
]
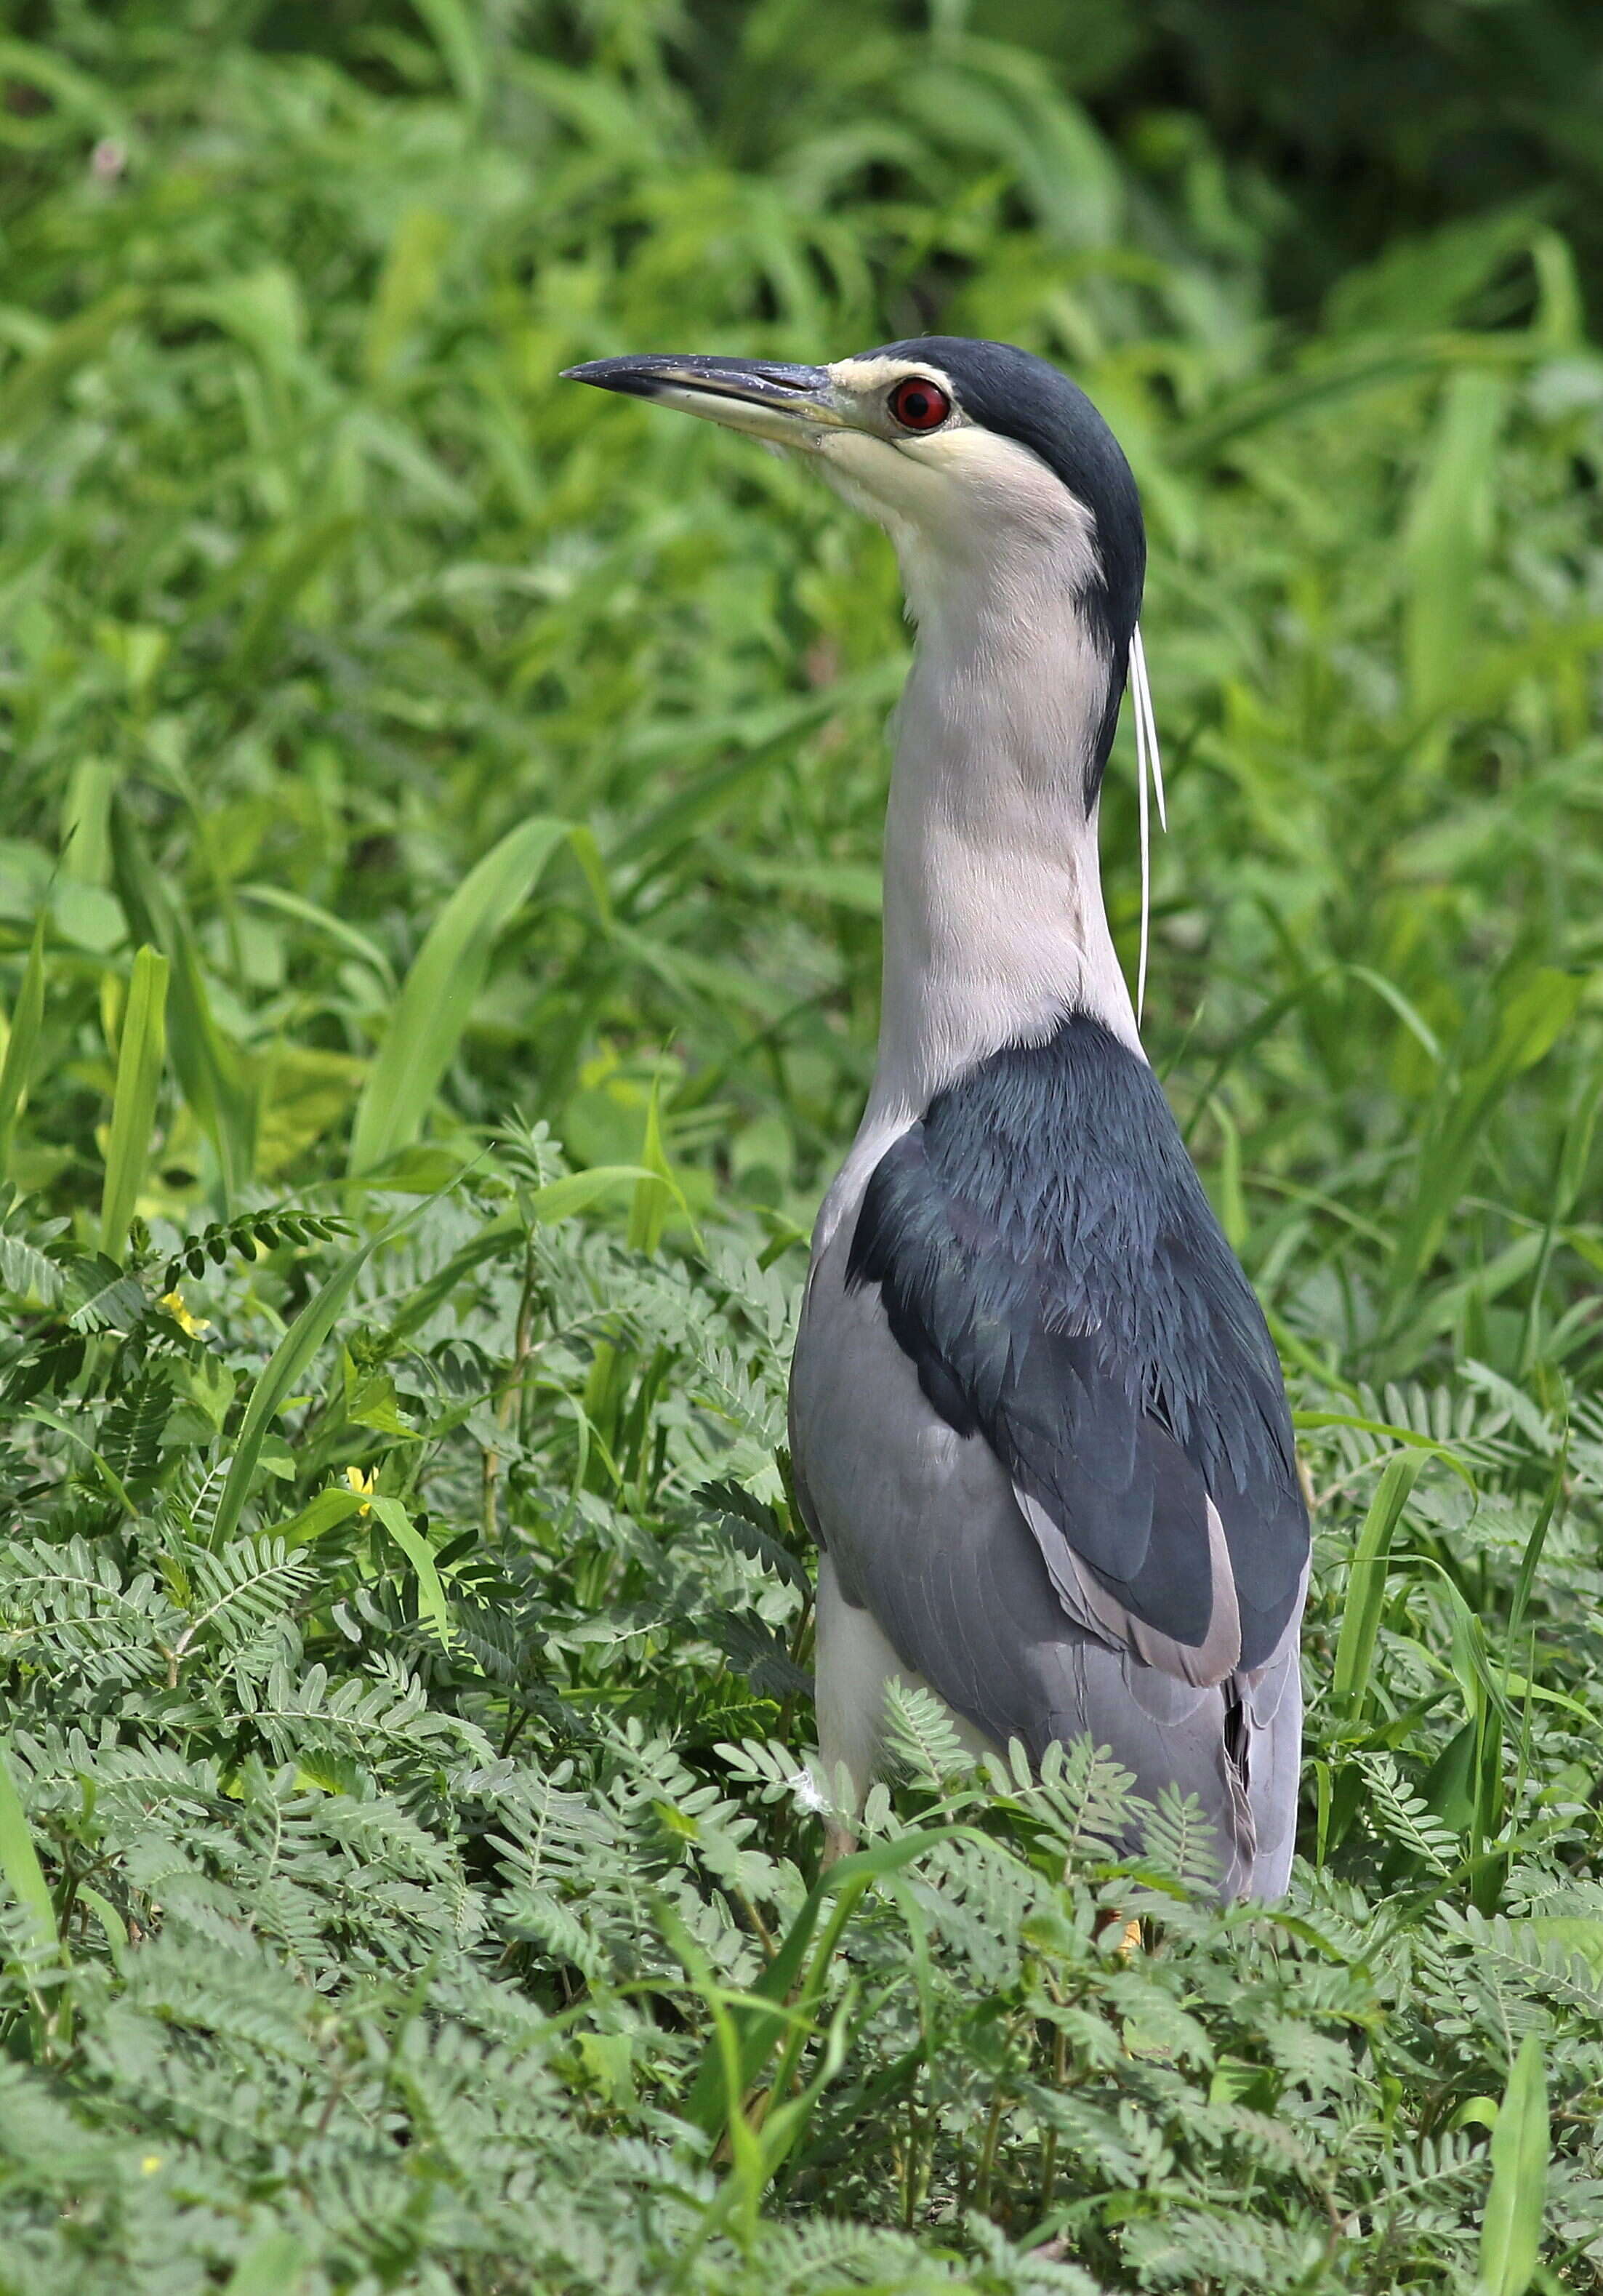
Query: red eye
[{"x": 920, "y": 406}]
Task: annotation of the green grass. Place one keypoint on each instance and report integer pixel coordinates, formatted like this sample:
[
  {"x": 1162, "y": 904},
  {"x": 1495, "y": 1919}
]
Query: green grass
[{"x": 438, "y": 828}]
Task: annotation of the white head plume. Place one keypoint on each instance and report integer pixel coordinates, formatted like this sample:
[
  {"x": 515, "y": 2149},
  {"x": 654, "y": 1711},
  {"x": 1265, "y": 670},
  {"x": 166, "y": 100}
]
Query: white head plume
[{"x": 1147, "y": 761}]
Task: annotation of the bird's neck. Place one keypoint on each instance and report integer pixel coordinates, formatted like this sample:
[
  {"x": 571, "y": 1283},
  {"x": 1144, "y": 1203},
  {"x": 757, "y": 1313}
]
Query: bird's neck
[{"x": 994, "y": 925}]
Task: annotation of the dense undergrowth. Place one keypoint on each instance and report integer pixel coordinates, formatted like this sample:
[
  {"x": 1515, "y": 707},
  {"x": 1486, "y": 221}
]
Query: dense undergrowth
[{"x": 437, "y": 927}]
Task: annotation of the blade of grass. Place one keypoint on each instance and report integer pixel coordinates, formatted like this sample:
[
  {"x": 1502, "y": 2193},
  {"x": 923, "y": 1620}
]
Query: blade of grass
[
  {"x": 335, "y": 1505},
  {"x": 20, "y": 1860},
  {"x": 578, "y": 1192},
  {"x": 140, "y": 1056},
  {"x": 207, "y": 1064},
  {"x": 437, "y": 996},
  {"x": 456, "y": 35},
  {"x": 648, "y": 1212},
  {"x": 1366, "y": 1585},
  {"x": 282, "y": 1373},
  {"x": 34, "y": 382},
  {"x": 1573, "y": 1156},
  {"x": 280, "y": 898},
  {"x": 713, "y": 2094},
  {"x": 19, "y": 1865},
  {"x": 1533, "y": 1010},
  {"x": 116, "y": 1486},
  {"x": 1408, "y": 1438},
  {"x": 22, "y": 1041},
  {"x": 1531, "y": 1560}
]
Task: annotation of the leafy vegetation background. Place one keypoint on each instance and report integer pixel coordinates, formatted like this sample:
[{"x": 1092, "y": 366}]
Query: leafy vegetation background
[{"x": 437, "y": 926}]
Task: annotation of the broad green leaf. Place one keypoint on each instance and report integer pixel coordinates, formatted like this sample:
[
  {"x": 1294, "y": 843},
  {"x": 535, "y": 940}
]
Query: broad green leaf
[
  {"x": 1511, "y": 2229},
  {"x": 303, "y": 1093},
  {"x": 86, "y": 822},
  {"x": 576, "y": 1192},
  {"x": 333, "y": 1505},
  {"x": 1449, "y": 533},
  {"x": 415, "y": 1547},
  {"x": 273, "y": 2266},
  {"x": 113, "y": 1927},
  {"x": 407, "y": 287},
  {"x": 1450, "y": 1785},
  {"x": 1581, "y": 1933}
]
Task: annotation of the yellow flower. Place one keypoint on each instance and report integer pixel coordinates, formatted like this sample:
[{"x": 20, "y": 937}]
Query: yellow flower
[
  {"x": 151, "y": 2163},
  {"x": 358, "y": 1481},
  {"x": 176, "y": 1307}
]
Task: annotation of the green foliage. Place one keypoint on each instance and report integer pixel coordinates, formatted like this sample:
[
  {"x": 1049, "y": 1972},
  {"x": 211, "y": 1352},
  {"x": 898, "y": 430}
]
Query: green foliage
[
  {"x": 1512, "y": 2232},
  {"x": 141, "y": 1051},
  {"x": 408, "y": 1822},
  {"x": 438, "y": 995}
]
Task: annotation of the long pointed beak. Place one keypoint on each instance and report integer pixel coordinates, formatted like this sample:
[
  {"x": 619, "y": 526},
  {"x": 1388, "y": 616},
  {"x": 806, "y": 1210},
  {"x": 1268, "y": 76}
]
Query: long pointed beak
[{"x": 788, "y": 406}]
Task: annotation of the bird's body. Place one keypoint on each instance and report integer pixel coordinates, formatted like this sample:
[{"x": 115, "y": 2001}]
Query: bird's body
[
  {"x": 1038, "y": 1425},
  {"x": 987, "y": 1317}
]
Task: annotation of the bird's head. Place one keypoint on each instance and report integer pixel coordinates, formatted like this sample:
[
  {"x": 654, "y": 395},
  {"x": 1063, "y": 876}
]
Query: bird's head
[
  {"x": 994, "y": 473},
  {"x": 1013, "y": 512}
]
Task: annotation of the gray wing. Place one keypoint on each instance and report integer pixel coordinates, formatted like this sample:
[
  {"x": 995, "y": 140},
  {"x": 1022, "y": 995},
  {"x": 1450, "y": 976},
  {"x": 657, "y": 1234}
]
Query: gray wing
[
  {"x": 927, "y": 1533},
  {"x": 1044, "y": 1436}
]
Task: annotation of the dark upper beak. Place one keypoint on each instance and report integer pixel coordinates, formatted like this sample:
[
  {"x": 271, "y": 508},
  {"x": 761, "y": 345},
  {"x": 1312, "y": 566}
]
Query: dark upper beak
[{"x": 786, "y": 405}]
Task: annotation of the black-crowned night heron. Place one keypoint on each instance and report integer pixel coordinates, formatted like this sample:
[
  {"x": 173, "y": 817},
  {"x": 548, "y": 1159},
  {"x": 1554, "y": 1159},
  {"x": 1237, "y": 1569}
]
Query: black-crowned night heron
[{"x": 1038, "y": 1424}]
